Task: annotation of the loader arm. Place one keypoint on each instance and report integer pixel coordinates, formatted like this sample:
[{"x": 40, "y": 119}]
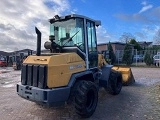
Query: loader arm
[{"x": 127, "y": 76}]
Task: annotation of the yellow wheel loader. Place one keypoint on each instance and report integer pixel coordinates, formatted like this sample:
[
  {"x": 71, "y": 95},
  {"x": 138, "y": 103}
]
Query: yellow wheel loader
[{"x": 72, "y": 71}]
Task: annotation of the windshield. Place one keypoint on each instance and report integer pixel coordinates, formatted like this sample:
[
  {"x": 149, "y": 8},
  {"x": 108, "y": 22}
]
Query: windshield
[{"x": 68, "y": 32}]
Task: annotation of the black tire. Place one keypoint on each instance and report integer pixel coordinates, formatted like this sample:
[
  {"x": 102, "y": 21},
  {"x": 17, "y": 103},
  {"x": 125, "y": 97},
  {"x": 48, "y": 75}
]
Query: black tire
[
  {"x": 86, "y": 98},
  {"x": 115, "y": 82}
]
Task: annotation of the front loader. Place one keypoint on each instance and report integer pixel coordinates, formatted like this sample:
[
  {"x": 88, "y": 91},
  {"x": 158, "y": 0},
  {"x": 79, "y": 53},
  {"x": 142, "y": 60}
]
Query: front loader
[
  {"x": 127, "y": 76},
  {"x": 72, "y": 71}
]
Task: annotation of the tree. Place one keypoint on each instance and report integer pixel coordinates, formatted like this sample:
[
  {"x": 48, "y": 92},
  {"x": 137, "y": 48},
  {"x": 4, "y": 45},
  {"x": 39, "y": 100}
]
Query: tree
[
  {"x": 126, "y": 37},
  {"x": 148, "y": 59},
  {"x": 127, "y": 56},
  {"x": 112, "y": 56},
  {"x": 136, "y": 45}
]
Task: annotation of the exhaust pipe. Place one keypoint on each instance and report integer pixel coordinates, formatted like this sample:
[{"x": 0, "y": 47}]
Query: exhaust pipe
[{"x": 38, "y": 52}]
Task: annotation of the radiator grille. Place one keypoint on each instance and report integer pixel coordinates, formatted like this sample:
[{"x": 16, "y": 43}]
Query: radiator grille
[{"x": 34, "y": 75}]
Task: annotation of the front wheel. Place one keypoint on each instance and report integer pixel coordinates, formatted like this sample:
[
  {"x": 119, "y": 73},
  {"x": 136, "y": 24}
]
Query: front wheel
[
  {"x": 115, "y": 82},
  {"x": 86, "y": 98}
]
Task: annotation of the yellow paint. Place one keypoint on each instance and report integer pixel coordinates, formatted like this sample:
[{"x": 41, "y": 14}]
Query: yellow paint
[
  {"x": 101, "y": 60},
  {"x": 60, "y": 75},
  {"x": 126, "y": 72},
  {"x": 60, "y": 67}
]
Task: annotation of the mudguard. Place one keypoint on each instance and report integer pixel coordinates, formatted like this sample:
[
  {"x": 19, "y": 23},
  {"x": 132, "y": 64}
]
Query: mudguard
[{"x": 103, "y": 81}]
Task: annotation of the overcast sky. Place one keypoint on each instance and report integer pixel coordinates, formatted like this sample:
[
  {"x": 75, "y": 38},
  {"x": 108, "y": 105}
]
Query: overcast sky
[{"x": 141, "y": 18}]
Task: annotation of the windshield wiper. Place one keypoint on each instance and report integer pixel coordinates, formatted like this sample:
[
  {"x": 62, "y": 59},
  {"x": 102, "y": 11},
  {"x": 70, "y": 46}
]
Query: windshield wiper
[{"x": 70, "y": 39}]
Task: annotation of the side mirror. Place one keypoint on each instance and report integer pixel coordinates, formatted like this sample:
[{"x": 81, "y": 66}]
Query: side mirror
[{"x": 51, "y": 38}]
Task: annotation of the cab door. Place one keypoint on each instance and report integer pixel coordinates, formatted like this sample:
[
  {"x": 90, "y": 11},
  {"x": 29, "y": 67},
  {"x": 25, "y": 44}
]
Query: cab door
[{"x": 92, "y": 45}]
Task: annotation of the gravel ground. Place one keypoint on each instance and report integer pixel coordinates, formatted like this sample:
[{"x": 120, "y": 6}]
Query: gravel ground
[{"x": 140, "y": 101}]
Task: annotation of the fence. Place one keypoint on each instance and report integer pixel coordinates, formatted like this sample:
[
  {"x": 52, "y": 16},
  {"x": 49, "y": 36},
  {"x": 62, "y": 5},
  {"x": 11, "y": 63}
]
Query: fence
[{"x": 137, "y": 56}]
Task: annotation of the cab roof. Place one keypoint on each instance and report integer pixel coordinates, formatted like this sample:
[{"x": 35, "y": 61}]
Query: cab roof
[{"x": 58, "y": 18}]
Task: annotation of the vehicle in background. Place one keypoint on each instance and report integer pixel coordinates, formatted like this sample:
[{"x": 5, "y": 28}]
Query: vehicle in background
[
  {"x": 138, "y": 58},
  {"x": 17, "y": 64},
  {"x": 158, "y": 53},
  {"x": 156, "y": 60},
  {"x": 3, "y": 62}
]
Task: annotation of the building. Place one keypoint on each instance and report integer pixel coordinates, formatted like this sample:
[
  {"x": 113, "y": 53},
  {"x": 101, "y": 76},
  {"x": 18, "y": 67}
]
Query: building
[
  {"x": 118, "y": 49},
  {"x": 2, "y": 53},
  {"x": 115, "y": 45},
  {"x": 145, "y": 44}
]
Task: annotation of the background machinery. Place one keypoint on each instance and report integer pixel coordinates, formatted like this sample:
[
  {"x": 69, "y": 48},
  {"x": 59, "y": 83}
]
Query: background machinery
[
  {"x": 72, "y": 71},
  {"x": 3, "y": 61},
  {"x": 19, "y": 58}
]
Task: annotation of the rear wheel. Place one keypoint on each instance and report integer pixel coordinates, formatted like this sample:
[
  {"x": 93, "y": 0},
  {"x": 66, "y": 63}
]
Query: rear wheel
[
  {"x": 115, "y": 82},
  {"x": 86, "y": 98}
]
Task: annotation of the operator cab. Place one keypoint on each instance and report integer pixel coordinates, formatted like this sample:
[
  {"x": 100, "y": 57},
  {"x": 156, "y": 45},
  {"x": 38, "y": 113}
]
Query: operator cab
[{"x": 74, "y": 33}]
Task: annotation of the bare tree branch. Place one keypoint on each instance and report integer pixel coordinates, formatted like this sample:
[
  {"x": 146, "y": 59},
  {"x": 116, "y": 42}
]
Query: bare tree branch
[
  {"x": 126, "y": 37},
  {"x": 157, "y": 37}
]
